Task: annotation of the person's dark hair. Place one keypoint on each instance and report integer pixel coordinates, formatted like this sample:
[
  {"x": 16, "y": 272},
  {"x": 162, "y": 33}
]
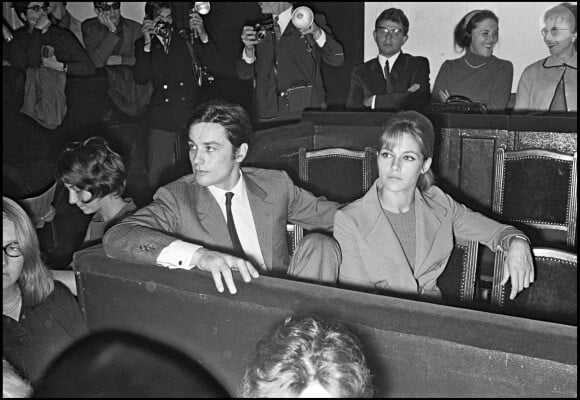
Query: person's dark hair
[
  {"x": 417, "y": 125},
  {"x": 154, "y": 8},
  {"x": 395, "y": 15},
  {"x": 115, "y": 363},
  {"x": 21, "y": 6},
  {"x": 232, "y": 117},
  {"x": 93, "y": 166},
  {"x": 462, "y": 32},
  {"x": 306, "y": 349},
  {"x": 97, "y": 4}
]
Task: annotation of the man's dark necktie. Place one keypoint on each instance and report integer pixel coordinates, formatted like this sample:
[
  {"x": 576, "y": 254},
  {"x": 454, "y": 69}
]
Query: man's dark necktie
[
  {"x": 277, "y": 30},
  {"x": 558, "y": 103},
  {"x": 238, "y": 250},
  {"x": 388, "y": 77}
]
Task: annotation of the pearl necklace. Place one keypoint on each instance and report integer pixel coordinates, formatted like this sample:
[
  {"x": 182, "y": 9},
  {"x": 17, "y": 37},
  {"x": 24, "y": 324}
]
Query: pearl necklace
[{"x": 473, "y": 66}]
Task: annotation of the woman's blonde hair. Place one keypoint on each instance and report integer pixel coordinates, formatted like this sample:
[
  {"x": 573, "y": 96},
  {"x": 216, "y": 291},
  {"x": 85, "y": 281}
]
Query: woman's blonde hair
[{"x": 35, "y": 282}]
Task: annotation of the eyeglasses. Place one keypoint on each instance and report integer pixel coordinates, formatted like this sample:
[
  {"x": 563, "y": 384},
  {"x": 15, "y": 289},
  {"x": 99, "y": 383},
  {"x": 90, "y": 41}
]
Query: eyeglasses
[
  {"x": 12, "y": 250},
  {"x": 108, "y": 7},
  {"x": 38, "y": 9},
  {"x": 554, "y": 32},
  {"x": 392, "y": 31}
]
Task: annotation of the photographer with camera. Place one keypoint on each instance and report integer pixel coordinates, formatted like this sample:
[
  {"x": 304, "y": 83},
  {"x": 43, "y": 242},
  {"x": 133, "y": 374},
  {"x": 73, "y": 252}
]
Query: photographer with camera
[
  {"x": 284, "y": 57},
  {"x": 165, "y": 57}
]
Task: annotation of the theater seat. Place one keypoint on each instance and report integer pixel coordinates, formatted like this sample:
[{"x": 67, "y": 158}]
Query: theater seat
[
  {"x": 337, "y": 173},
  {"x": 457, "y": 282},
  {"x": 553, "y": 295},
  {"x": 535, "y": 190}
]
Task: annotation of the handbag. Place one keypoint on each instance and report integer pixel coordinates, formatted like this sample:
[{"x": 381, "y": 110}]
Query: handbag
[
  {"x": 296, "y": 98},
  {"x": 461, "y": 105},
  {"x": 44, "y": 96}
]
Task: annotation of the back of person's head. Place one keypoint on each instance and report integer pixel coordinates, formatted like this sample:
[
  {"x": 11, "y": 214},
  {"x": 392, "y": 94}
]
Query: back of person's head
[
  {"x": 13, "y": 385},
  {"x": 418, "y": 126},
  {"x": 396, "y": 15},
  {"x": 92, "y": 165},
  {"x": 115, "y": 363},
  {"x": 35, "y": 281},
  {"x": 232, "y": 117},
  {"x": 154, "y": 8},
  {"x": 465, "y": 27},
  {"x": 306, "y": 350}
]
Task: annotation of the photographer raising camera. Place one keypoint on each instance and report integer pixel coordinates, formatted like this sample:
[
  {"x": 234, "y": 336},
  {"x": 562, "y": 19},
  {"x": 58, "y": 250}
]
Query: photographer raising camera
[
  {"x": 165, "y": 57},
  {"x": 284, "y": 54}
]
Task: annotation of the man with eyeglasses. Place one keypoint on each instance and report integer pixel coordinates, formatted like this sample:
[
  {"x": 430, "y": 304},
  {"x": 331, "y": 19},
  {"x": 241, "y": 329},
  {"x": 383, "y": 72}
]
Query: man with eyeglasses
[
  {"x": 394, "y": 80},
  {"x": 62, "y": 51}
]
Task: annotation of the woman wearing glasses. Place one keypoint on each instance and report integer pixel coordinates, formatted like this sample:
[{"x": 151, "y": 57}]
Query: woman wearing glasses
[
  {"x": 551, "y": 84},
  {"x": 478, "y": 75},
  {"x": 40, "y": 316},
  {"x": 67, "y": 53}
]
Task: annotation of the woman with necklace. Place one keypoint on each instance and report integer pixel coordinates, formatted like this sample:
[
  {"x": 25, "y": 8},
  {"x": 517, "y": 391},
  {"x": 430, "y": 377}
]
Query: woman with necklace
[
  {"x": 398, "y": 237},
  {"x": 40, "y": 316},
  {"x": 551, "y": 84},
  {"x": 478, "y": 75}
]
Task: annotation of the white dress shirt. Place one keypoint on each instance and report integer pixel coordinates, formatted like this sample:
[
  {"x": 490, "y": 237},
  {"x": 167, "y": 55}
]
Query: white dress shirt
[{"x": 179, "y": 253}]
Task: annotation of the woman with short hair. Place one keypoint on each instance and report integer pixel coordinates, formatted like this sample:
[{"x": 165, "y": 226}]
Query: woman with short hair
[
  {"x": 551, "y": 84},
  {"x": 95, "y": 176}
]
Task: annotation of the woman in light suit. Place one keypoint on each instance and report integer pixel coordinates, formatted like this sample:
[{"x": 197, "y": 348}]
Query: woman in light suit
[{"x": 399, "y": 236}]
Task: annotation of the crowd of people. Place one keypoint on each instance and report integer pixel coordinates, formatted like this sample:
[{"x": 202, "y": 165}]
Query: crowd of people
[{"x": 225, "y": 218}]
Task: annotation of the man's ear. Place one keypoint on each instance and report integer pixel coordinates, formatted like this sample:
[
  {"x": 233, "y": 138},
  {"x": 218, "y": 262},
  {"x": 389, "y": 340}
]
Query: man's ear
[{"x": 241, "y": 152}]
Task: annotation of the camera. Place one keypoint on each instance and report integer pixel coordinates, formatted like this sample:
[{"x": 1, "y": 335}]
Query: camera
[
  {"x": 163, "y": 29},
  {"x": 262, "y": 30}
]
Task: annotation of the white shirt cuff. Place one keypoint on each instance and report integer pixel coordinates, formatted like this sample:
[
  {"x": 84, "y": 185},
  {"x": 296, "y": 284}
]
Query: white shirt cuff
[
  {"x": 177, "y": 255},
  {"x": 247, "y": 59},
  {"x": 321, "y": 41}
]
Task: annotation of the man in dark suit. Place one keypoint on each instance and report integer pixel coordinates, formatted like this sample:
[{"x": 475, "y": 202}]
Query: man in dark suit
[
  {"x": 287, "y": 57},
  {"x": 394, "y": 80},
  {"x": 189, "y": 223}
]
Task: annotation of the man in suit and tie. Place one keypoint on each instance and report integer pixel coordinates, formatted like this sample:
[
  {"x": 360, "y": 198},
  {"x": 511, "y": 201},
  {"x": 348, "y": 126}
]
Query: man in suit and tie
[
  {"x": 394, "y": 80},
  {"x": 224, "y": 217}
]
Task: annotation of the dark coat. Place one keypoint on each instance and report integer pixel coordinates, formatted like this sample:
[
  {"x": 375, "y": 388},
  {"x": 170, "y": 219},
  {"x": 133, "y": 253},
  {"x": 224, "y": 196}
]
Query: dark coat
[
  {"x": 295, "y": 64},
  {"x": 176, "y": 92},
  {"x": 368, "y": 80}
]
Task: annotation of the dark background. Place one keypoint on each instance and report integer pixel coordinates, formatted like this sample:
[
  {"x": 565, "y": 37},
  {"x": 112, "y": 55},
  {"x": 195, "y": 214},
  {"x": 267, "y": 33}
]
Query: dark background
[{"x": 224, "y": 24}]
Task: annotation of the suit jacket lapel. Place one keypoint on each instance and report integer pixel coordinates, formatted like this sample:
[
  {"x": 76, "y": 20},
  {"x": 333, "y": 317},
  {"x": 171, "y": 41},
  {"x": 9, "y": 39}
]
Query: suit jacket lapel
[
  {"x": 211, "y": 217},
  {"x": 427, "y": 226},
  {"x": 262, "y": 210},
  {"x": 377, "y": 82},
  {"x": 380, "y": 234},
  {"x": 399, "y": 68}
]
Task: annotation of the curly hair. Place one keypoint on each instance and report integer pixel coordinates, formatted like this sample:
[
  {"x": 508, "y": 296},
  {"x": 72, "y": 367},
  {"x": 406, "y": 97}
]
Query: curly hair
[
  {"x": 463, "y": 30},
  {"x": 35, "y": 282},
  {"x": 418, "y": 126},
  {"x": 92, "y": 166},
  {"x": 303, "y": 350}
]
